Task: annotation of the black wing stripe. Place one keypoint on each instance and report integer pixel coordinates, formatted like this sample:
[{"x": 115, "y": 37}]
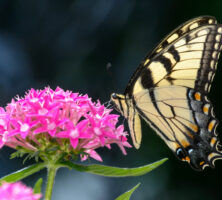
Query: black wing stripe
[
  {"x": 146, "y": 78},
  {"x": 175, "y": 53},
  {"x": 166, "y": 63}
]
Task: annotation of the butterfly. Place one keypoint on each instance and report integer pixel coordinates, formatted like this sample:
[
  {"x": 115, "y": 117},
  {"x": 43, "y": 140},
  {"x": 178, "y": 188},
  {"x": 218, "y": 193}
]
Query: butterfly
[{"x": 169, "y": 91}]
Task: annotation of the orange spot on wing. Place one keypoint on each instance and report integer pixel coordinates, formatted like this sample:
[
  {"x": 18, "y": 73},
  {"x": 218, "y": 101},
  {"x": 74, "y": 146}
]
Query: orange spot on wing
[
  {"x": 213, "y": 141},
  {"x": 187, "y": 159},
  {"x": 197, "y": 96},
  {"x": 211, "y": 125},
  {"x": 194, "y": 127},
  {"x": 202, "y": 162},
  {"x": 190, "y": 134},
  {"x": 185, "y": 143},
  {"x": 176, "y": 145},
  {"x": 205, "y": 109}
]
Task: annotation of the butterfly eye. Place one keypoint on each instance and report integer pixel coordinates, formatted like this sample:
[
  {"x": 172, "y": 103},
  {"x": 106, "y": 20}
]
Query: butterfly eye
[
  {"x": 180, "y": 154},
  {"x": 114, "y": 96}
]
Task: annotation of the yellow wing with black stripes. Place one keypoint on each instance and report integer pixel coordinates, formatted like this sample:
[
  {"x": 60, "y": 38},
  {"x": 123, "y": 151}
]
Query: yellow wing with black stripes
[
  {"x": 169, "y": 91},
  {"x": 193, "y": 46}
]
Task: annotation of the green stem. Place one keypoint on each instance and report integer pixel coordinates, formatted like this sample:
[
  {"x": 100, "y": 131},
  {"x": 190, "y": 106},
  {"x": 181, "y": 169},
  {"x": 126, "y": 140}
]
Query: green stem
[
  {"x": 23, "y": 173},
  {"x": 50, "y": 181}
]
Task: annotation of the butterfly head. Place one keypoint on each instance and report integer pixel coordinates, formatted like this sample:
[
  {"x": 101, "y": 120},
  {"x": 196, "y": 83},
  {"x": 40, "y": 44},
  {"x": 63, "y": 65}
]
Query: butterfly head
[{"x": 119, "y": 102}]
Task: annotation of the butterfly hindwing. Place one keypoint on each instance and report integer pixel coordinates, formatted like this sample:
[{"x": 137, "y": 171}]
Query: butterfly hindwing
[{"x": 184, "y": 119}]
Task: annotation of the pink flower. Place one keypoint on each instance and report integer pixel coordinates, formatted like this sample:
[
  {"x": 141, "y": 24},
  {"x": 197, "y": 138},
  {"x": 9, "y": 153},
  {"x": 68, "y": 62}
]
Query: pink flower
[
  {"x": 61, "y": 120},
  {"x": 17, "y": 191}
]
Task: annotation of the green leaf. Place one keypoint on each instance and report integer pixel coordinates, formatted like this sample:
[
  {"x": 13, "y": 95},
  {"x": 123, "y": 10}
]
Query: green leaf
[
  {"x": 38, "y": 186},
  {"x": 27, "y": 171},
  {"x": 103, "y": 170},
  {"x": 17, "y": 154},
  {"x": 127, "y": 195},
  {"x": 26, "y": 154}
]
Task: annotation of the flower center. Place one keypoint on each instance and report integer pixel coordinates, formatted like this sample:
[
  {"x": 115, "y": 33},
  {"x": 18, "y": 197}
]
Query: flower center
[
  {"x": 43, "y": 111},
  {"x": 98, "y": 116},
  {"x": 97, "y": 131},
  {"x": 24, "y": 127},
  {"x": 51, "y": 126},
  {"x": 74, "y": 133}
]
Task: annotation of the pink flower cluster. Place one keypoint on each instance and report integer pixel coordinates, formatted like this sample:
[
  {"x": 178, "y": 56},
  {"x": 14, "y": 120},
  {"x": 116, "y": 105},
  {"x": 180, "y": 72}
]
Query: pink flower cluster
[
  {"x": 61, "y": 116},
  {"x": 17, "y": 191}
]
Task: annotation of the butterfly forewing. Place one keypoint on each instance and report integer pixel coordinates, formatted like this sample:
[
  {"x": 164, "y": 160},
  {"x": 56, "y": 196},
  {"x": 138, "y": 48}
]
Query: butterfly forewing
[
  {"x": 178, "y": 33},
  {"x": 189, "y": 61}
]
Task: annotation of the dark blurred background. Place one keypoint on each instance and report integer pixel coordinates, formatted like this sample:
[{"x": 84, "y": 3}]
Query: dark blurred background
[{"x": 93, "y": 47}]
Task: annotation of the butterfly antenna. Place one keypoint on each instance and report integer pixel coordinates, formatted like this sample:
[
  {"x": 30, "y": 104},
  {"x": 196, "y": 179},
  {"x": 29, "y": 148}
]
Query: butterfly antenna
[{"x": 108, "y": 104}]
